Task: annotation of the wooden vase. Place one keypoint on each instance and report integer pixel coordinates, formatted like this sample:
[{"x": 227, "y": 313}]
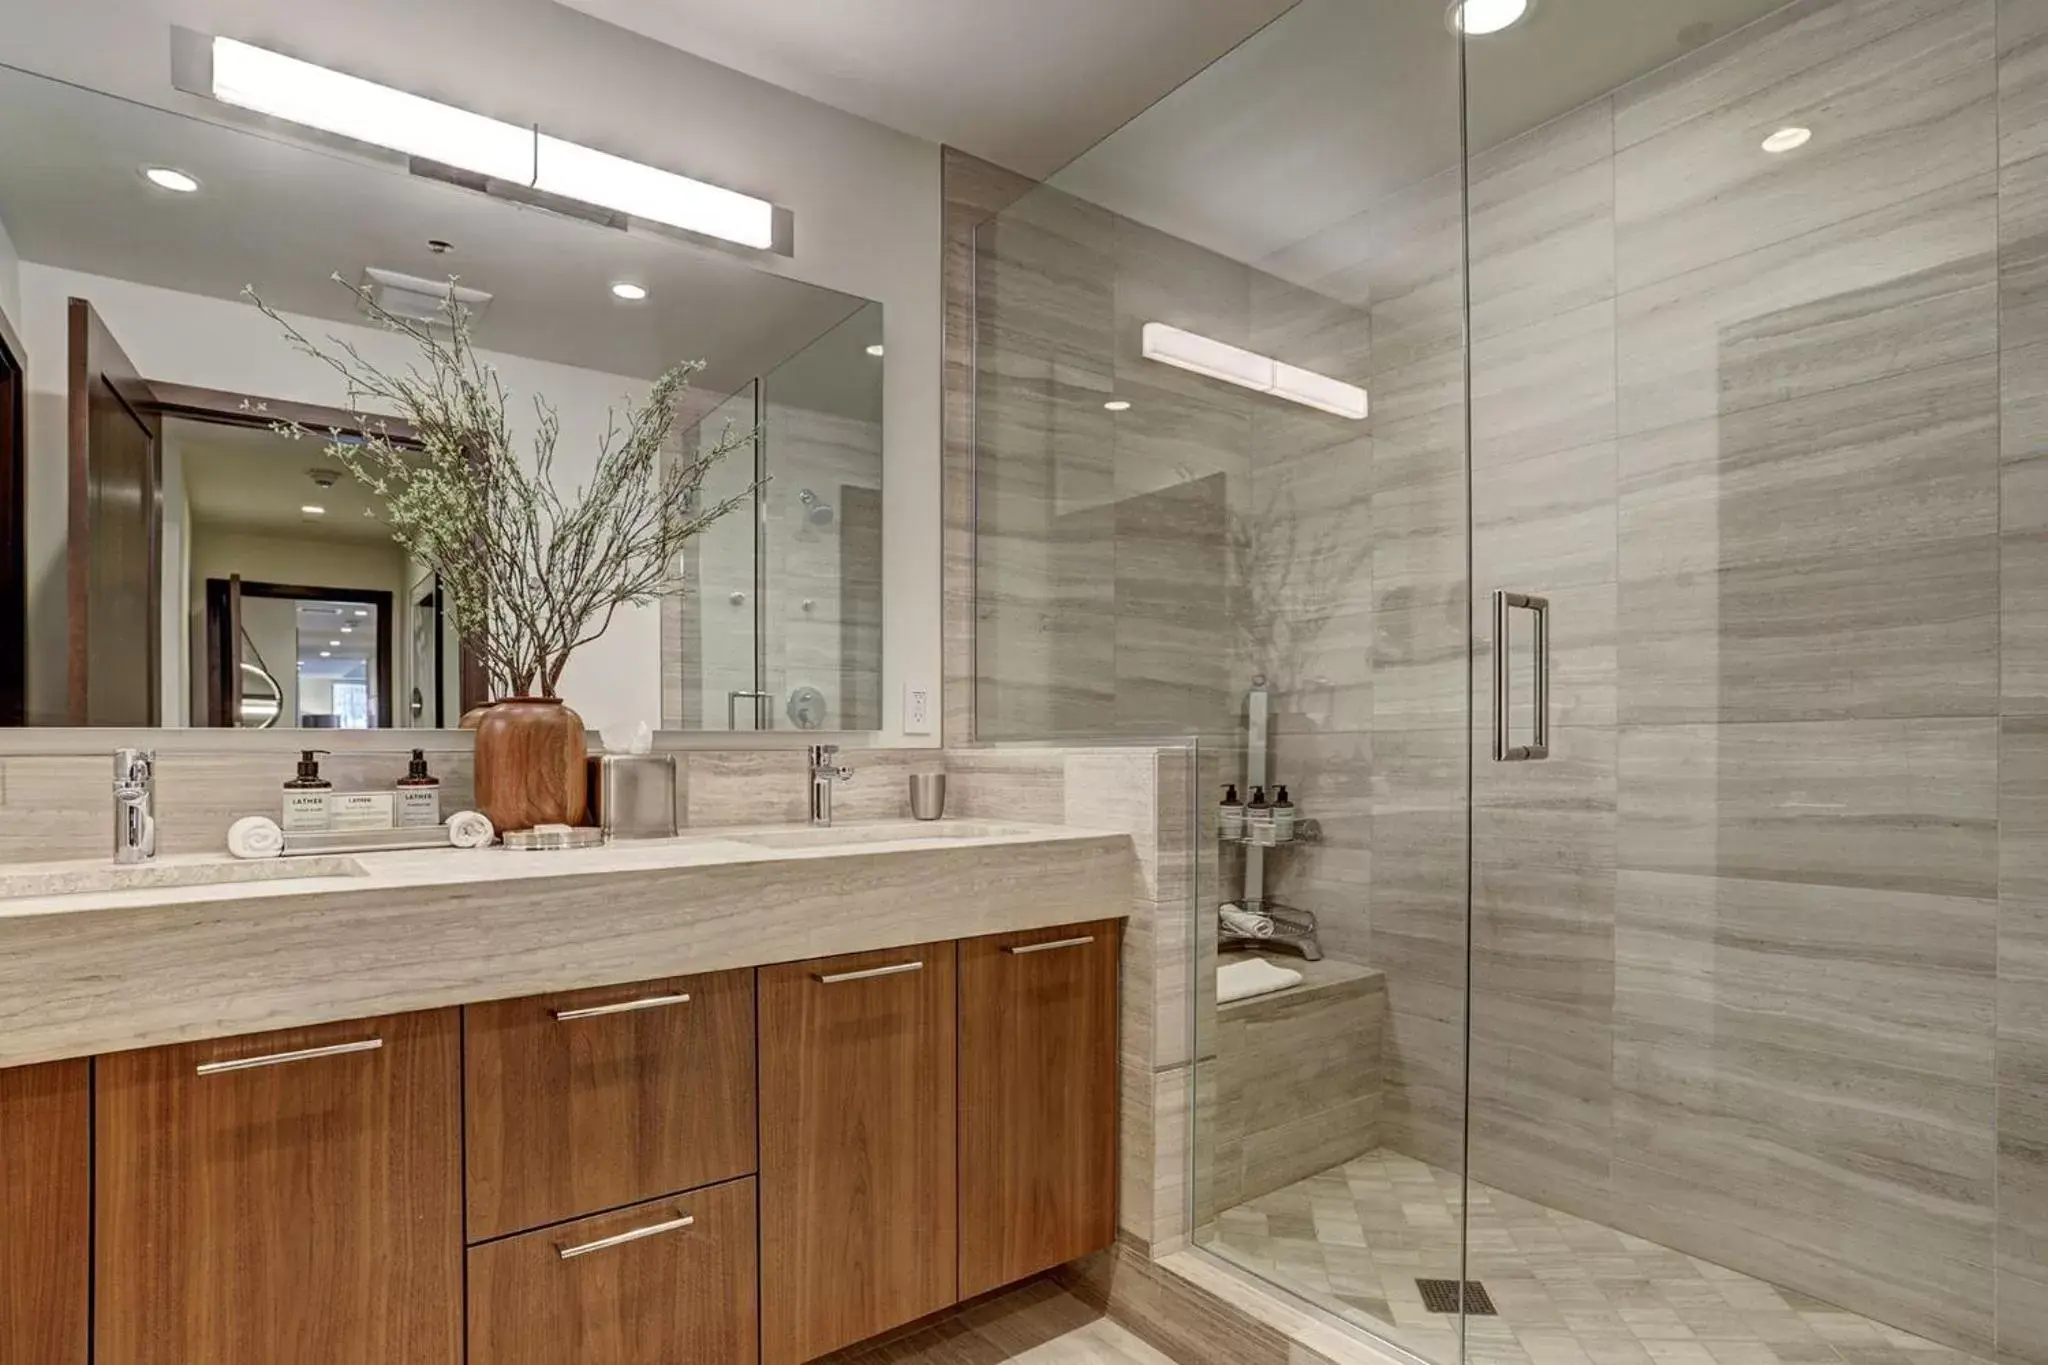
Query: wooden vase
[{"x": 530, "y": 759}]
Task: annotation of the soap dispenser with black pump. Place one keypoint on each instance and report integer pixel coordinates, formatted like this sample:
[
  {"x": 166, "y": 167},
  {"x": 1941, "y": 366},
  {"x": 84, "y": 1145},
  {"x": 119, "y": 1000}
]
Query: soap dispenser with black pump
[
  {"x": 307, "y": 797},
  {"x": 419, "y": 795}
]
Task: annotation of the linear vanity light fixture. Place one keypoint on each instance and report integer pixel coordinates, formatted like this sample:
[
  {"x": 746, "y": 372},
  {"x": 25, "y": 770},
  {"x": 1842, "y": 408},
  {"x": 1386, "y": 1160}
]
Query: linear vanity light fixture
[
  {"x": 1250, "y": 370},
  {"x": 270, "y": 83}
]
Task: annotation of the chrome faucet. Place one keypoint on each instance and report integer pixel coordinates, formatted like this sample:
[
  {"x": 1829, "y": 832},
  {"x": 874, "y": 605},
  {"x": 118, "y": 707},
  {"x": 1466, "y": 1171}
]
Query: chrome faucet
[
  {"x": 134, "y": 805},
  {"x": 824, "y": 772}
]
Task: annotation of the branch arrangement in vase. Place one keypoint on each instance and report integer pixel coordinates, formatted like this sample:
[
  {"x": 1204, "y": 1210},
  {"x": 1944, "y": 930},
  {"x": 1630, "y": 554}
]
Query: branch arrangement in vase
[{"x": 531, "y": 573}]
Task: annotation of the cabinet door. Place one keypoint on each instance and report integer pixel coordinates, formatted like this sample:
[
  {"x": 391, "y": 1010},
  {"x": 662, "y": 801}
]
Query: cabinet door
[
  {"x": 1038, "y": 1101},
  {"x": 668, "y": 1282},
  {"x": 286, "y": 1197},
  {"x": 45, "y": 1213},
  {"x": 857, "y": 1130},
  {"x": 602, "y": 1098}
]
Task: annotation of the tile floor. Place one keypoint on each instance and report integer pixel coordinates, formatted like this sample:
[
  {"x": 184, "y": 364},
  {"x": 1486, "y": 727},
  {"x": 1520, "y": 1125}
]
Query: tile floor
[
  {"x": 1036, "y": 1324},
  {"x": 1569, "y": 1292}
]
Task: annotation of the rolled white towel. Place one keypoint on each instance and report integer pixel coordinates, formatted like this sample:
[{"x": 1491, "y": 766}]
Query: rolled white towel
[
  {"x": 1246, "y": 923},
  {"x": 255, "y": 836},
  {"x": 470, "y": 829}
]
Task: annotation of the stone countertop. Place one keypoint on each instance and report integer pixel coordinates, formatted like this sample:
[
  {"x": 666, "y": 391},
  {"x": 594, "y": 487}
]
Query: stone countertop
[{"x": 91, "y": 971}]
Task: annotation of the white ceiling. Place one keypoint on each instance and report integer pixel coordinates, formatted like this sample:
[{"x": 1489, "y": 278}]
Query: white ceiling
[
  {"x": 252, "y": 479},
  {"x": 1341, "y": 102},
  {"x": 1025, "y": 83}
]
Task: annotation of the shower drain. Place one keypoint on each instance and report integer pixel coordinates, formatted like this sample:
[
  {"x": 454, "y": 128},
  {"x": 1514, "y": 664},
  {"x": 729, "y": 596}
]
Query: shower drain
[{"x": 1441, "y": 1296}]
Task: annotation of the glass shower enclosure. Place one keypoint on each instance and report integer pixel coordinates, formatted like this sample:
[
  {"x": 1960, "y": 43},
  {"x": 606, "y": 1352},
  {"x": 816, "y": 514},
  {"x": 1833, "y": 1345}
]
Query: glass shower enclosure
[{"x": 1599, "y": 465}]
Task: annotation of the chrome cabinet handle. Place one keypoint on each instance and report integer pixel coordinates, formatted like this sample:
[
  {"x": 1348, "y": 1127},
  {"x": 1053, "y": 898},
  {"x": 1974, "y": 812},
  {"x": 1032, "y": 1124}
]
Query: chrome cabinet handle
[
  {"x": 836, "y": 977},
  {"x": 1504, "y": 748},
  {"x": 280, "y": 1058},
  {"x": 645, "y": 1002},
  {"x": 619, "y": 1239},
  {"x": 1024, "y": 948}
]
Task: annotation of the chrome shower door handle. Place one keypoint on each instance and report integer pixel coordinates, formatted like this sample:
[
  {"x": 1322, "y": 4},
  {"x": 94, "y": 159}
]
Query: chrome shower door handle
[{"x": 1538, "y": 747}]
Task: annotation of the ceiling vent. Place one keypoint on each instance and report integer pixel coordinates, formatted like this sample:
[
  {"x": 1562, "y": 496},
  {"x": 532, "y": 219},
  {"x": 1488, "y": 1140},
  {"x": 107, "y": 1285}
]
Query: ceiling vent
[{"x": 423, "y": 300}]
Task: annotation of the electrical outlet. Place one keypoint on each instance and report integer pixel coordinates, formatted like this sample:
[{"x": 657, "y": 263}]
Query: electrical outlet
[{"x": 917, "y": 709}]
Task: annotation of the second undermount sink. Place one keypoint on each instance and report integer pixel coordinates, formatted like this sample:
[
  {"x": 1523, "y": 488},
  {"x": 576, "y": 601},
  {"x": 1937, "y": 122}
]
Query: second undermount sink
[
  {"x": 82, "y": 878},
  {"x": 888, "y": 832}
]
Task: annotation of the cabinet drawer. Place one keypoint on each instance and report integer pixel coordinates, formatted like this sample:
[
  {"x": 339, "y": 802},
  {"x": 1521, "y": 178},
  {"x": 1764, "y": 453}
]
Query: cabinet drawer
[
  {"x": 858, "y": 1196},
  {"x": 282, "y": 1197},
  {"x": 601, "y": 1098},
  {"x": 668, "y": 1282},
  {"x": 1038, "y": 1100}
]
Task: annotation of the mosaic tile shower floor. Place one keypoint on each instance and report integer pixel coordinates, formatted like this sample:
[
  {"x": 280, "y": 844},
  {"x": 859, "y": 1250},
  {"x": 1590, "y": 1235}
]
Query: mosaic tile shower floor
[{"x": 1355, "y": 1239}]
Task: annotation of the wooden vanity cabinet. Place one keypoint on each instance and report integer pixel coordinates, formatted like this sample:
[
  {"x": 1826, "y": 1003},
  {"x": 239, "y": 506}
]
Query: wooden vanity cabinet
[
  {"x": 45, "y": 1213},
  {"x": 668, "y": 1282},
  {"x": 290, "y": 1196},
  {"x": 596, "y": 1099},
  {"x": 857, "y": 1147},
  {"x": 1038, "y": 1101}
]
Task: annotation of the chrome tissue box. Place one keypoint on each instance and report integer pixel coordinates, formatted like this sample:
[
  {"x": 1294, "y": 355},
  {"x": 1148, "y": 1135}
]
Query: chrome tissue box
[{"x": 633, "y": 796}]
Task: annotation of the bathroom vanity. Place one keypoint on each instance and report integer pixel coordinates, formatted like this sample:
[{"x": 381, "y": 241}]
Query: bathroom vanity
[{"x": 758, "y": 1095}]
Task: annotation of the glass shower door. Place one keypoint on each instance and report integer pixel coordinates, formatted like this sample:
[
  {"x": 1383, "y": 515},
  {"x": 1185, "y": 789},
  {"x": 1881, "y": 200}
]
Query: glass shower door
[{"x": 1757, "y": 983}]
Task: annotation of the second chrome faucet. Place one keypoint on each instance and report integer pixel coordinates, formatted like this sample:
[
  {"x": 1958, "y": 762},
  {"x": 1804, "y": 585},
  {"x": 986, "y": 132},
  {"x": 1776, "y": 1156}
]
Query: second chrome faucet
[{"x": 825, "y": 771}]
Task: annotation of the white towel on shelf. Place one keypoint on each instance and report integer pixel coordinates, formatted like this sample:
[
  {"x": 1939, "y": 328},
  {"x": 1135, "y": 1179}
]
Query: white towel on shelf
[
  {"x": 1253, "y": 976},
  {"x": 255, "y": 836},
  {"x": 1246, "y": 923}
]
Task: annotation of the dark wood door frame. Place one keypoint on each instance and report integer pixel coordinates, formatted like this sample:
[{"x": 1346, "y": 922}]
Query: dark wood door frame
[
  {"x": 13, "y": 529},
  {"x": 98, "y": 365},
  {"x": 224, "y": 652}
]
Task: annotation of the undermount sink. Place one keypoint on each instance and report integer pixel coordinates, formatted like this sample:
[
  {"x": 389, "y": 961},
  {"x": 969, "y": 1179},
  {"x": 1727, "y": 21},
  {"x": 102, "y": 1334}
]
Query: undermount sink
[
  {"x": 891, "y": 832},
  {"x": 76, "y": 879}
]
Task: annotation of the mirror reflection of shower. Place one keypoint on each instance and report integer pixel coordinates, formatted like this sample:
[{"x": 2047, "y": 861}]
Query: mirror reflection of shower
[
  {"x": 262, "y": 698},
  {"x": 817, "y": 512}
]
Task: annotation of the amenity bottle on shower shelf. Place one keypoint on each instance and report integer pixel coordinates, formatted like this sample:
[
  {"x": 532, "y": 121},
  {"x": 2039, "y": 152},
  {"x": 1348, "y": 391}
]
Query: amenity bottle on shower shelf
[
  {"x": 1258, "y": 818},
  {"x": 1283, "y": 818},
  {"x": 1230, "y": 815}
]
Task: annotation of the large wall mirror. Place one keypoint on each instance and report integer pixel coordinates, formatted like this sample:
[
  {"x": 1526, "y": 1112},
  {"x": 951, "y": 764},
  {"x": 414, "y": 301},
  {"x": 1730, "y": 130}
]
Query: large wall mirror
[{"x": 168, "y": 558}]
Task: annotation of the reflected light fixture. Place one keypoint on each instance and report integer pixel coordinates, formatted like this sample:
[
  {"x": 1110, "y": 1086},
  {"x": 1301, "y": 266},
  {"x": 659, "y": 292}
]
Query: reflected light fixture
[
  {"x": 345, "y": 630},
  {"x": 1787, "y": 140},
  {"x": 362, "y": 611},
  {"x": 631, "y": 293},
  {"x": 271, "y": 83},
  {"x": 167, "y": 178},
  {"x": 1477, "y": 18},
  {"x": 325, "y": 655},
  {"x": 876, "y": 349},
  {"x": 312, "y": 509},
  {"x": 1250, "y": 370},
  {"x": 334, "y": 644},
  {"x": 1117, "y": 405}
]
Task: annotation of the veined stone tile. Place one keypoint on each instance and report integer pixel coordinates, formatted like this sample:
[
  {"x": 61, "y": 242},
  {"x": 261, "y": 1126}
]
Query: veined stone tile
[
  {"x": 2023, "y": 1043},
  {"x": 1549, "y": 386},
  {"x": 1542, "y": 231},
  {"x": 1889, "y": 632},
  {"x": 1885, "y": 464},
  {"x": 1900, "y": 805},
  {"x": 2022, "y": 81},
  {"x": 1768, "y": 53},
  {"x": 1911, "y": 110},
  {"x": 1898, "y": 289}
]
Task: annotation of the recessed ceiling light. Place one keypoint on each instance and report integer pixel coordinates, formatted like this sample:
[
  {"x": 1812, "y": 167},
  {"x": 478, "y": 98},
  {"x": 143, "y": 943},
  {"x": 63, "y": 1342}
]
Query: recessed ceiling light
[
  {"x": 312, "y": 509},
  {"x": 1481, "y": 17},
  {"x": 875, "y": 349},
  {"x": 164, "y": 178},
  {"x": 325, "y": 655},
  {"x": 362, "y": 611},
  {"x": 1787, "y": 140},
  {"x": 334, "y": 644},
  {"x": 631, "y": 293},
  {"x": 1117, "y": 405},
  {"x": 347, "y": 629}
]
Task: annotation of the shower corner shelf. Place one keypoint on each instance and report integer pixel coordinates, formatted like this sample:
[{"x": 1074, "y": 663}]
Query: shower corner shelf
[
  {"x": 1294, "y": 931},
  {"x": 1305, "y": 832}
]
